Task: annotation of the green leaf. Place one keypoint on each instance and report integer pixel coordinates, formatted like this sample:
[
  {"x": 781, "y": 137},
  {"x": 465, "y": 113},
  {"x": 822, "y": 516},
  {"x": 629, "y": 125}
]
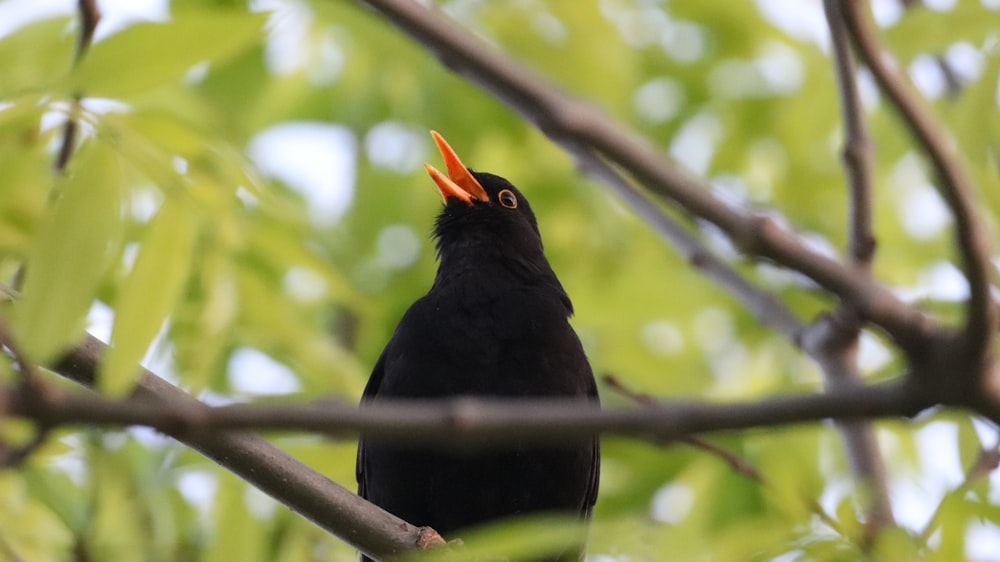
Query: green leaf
[
  {"x": 71, "y": 253},
  {"x": 116, "y": 529},
  {"x": 201, "y": 329},
  {"x": 148, "y": 55},
  {"x": 34, "y": 55},
  {"x": 30, "y": 531},
  {"x": 954, "y": 516},
  {"x": 150, "y": 292},
  {"x": 967, "y": 21},
  {"x": 238, "y": 534},
  {"x": 26, "y": 166},
  {"x": 56, "y": 491},
  {"x": 969, "y": 445},
  {"x": 895, "y": 545}
]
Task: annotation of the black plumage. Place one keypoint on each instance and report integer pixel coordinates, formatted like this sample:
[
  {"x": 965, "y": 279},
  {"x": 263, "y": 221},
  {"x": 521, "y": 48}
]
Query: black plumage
[{"x": 494, "y": 324}]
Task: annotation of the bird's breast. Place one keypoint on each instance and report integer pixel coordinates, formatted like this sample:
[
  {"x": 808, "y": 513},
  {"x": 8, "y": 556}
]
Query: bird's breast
[{"x": 476, "y": 341}]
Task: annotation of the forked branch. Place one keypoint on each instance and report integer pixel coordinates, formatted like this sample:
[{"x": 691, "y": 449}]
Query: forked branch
[{"x": 953, "y": 183}]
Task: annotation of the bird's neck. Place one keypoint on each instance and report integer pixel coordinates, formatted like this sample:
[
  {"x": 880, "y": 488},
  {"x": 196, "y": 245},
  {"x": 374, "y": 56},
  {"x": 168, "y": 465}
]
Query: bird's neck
[{"x": 494, "y": 270}]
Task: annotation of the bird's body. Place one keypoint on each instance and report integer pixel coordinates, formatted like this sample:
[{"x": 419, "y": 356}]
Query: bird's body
[{"x": 494, "y": 325}]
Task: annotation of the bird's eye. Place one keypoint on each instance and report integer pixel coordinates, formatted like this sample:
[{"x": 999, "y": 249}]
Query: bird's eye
[{"x": 508, "y": 199}]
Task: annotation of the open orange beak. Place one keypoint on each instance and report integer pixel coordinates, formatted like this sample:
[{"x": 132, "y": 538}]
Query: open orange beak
[{"x": 459, "y": 183}]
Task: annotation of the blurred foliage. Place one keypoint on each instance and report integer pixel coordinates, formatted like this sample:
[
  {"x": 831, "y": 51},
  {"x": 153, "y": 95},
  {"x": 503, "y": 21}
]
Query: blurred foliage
[{"x": 166, "y": 217}]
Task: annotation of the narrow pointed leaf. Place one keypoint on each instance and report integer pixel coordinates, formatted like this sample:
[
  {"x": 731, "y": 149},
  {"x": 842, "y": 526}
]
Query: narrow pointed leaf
[
  {"x": 150, "y": 292},
  {"x": 71, "y": 253}
]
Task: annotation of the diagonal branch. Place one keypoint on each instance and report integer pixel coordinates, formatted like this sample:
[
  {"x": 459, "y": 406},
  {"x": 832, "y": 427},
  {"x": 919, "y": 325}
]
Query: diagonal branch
[
  {"x": 571, "y": 122},
  {"x": 954, "y": 184},
  {"x": 765, "y": 307},
  {"x": 332, "y": 507}
]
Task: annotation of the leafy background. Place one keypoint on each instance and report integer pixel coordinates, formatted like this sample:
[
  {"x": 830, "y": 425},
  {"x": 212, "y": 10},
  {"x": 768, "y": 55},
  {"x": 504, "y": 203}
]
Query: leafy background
[{"x": 248, "y": 190}]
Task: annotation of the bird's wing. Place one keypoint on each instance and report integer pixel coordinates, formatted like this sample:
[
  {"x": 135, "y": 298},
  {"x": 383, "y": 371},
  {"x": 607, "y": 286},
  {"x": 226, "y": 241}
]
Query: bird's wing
[
  {"x": 595, "y": 464},
  {"x": 371, "y": 389},
  {"x": 595, "y": 478},
  {"x": 375, "y": 380}
]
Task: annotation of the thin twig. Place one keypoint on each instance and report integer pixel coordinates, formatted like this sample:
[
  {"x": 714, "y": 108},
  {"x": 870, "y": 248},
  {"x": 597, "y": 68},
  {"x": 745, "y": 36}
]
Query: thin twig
[
  {"x": 952, "y": 81},
  {"x": 90, "y": 16},
  {"x": 953, "y": 183},
  {"x": 738, "y": 463},
  {"x": 568, "y": 120},
  {"x": 858, "y": 154},
  {"x": 69, "y": 135},
  {"x": 837, "y": 358}
]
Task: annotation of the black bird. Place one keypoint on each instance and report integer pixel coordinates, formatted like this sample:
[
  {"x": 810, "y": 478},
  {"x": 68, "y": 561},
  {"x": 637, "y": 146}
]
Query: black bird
[{"x": 495, "y": 324}]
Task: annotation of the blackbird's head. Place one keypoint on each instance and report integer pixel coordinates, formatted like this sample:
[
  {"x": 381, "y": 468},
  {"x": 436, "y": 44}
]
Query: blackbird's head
[
  {"x": 487, "y": 227},
  {"x": 483, "y": 215}
]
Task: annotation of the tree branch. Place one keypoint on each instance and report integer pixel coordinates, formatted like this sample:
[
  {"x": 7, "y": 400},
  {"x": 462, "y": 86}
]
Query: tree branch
[
  {"x": 858, "y": 154},
  {"x": 768, "y": 310},
  {"x": 955, "y": 186},
  {"x": 464, "y": 423},
  {"x": 838, "y": 334},
  {"x": 568, "y": 120},
  {"x": 835, "y": 350},
  {"x": 332, "y": 507}
]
